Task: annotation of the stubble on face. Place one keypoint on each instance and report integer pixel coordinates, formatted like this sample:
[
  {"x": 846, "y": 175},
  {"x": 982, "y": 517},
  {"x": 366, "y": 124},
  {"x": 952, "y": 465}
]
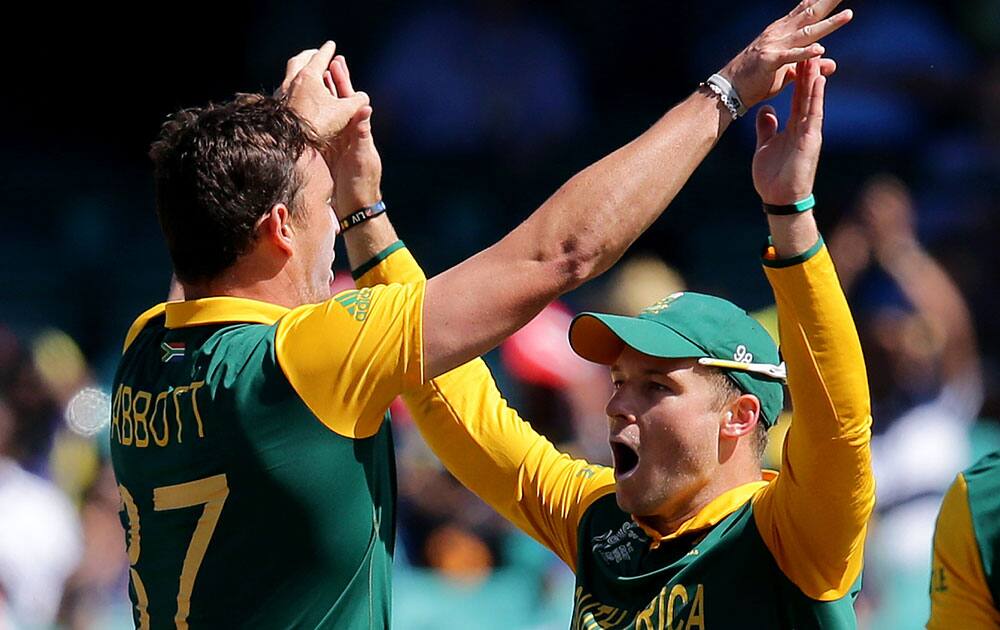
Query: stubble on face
[
  {"x": 664, "y": 431},
  {"x": 318, "y": 228}
]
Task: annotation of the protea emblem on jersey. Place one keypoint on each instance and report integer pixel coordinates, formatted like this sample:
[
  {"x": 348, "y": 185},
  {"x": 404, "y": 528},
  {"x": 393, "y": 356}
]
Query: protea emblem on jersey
[{"x": 172, "y": 351}]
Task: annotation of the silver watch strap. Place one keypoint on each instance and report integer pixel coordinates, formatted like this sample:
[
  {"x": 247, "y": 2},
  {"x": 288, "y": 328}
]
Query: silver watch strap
[{"x": 727, "y": 94}]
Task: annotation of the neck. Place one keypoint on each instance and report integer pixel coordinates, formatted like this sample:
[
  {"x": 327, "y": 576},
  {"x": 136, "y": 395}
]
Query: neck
[
  {"x": 250, "y": 281},
  {"x": 676, "y": 512}
]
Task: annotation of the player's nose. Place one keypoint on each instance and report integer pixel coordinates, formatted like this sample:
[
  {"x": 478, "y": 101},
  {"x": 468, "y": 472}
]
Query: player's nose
[{"x": 619, "y": 411}]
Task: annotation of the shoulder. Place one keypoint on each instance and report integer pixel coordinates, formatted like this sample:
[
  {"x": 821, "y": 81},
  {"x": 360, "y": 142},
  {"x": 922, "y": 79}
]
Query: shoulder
[
  {"x": 979, "y": 485},
  {"x": 155, "y": 313},
  {"x": 987, "y": 468}
]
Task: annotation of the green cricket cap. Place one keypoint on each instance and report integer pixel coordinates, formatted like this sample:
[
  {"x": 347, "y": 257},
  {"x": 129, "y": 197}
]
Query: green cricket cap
[{"x": 691, "y": 325}]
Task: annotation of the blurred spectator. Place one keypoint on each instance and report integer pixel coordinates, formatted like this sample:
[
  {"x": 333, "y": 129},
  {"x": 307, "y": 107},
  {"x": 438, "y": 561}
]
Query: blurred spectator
[
  {"x": 35, "y": 409},
  {"x": 926, "y": 383},
  {"x": 97, "y": 592},
  {"x": 548, "y": 373},
  {"x": 40, "y": 539}
]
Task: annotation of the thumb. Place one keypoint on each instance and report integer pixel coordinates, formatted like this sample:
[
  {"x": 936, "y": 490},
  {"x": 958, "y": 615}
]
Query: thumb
[
  {"x": 767, "y": 125},
  {"x": 363, "y": 122},
  {"x": 359, "y": 127},
  {"x": 359, "y": 99}
]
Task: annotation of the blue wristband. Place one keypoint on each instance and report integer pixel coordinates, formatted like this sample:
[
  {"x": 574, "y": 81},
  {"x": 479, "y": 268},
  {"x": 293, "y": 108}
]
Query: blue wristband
[{"x": 799, "y": 206}]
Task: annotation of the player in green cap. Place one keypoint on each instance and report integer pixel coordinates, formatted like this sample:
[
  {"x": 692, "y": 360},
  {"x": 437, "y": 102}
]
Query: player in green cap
[
  {"x": 686, "y": 530},
  {"x": 965, "y": 574},
  {"x": 248, "y": 430}
]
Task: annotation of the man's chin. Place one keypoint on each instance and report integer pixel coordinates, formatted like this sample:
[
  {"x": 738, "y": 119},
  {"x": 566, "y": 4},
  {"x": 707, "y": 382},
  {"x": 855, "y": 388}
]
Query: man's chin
[{"x": 627, "y": 502}]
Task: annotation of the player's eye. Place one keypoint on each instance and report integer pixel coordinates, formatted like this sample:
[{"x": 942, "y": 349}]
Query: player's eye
[{"x": 653, "y": 386}]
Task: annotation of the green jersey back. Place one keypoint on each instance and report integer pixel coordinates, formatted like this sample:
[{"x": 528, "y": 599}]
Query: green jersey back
[
  {"x": 726, "y": 579},
  {"x": 241, "y": 508}
]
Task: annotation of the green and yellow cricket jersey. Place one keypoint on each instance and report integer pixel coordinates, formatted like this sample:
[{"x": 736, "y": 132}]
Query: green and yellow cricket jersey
[
  {"x": 783, "y": 552},
  {"x": 255, "y": 461},
  {"x": 965, "y": 578}
]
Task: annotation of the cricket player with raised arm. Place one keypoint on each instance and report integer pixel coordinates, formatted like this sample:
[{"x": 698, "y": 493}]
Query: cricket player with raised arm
[
  {"x": 249, "y": 434},
  {"x": 686, "y": 531},
  {"x": 965, "y": 570}
]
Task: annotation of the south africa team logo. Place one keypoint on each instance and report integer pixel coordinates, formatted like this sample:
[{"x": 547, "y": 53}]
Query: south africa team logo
[{"x": 655, "y": 309}]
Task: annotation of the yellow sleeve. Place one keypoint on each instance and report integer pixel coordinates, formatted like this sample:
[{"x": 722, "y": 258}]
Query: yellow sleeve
[
  {"x": 498, "y": 456},
  {"x": 488, "y": 447},
  {"x": 814, "y": 516},
  {"x": 350, "y": 356},
  {"x": 394, "y": 264},
  {"x": 960, "y": 597}
]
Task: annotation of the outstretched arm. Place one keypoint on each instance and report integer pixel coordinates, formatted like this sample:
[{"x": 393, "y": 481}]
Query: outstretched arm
[
  {"x": 461, "y": 414},
  {"x": 588, "y": 223},
  {"x": 813, "y": 518}
]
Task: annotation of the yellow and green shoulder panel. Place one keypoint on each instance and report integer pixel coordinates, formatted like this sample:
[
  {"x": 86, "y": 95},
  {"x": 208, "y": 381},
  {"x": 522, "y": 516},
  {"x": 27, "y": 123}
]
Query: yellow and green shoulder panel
[
  {"x": 964, "y": 585},
  {"x": 394, "y": 264}
]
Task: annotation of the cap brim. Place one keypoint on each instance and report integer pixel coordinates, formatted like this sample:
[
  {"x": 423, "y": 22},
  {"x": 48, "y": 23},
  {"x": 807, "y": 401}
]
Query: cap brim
[{"x": 601, "y": 338}]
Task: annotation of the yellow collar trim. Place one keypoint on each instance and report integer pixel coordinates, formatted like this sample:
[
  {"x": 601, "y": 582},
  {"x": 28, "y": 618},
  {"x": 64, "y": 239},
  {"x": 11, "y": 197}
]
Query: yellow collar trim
[
  {"x": 717, "y": 509},
  {"x": 220, "y": 310}
]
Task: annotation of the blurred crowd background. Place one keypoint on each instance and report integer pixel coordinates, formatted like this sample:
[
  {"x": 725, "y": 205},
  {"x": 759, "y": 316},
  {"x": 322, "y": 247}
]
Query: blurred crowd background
[{"x": 482, "y": 108}]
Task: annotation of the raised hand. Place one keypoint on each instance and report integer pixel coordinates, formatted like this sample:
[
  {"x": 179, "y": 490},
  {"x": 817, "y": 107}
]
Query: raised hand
[
  {"x": 307, "y": 89},
  {"x": 768, "y": 64},
  {"x": 357, "y": 171},
  {"x": 886, "y": 209},
  {"x": 784, "y": 164}
]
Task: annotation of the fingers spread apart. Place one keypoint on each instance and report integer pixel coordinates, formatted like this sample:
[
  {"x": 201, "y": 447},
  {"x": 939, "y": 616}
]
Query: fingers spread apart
[{"x": 815, "y": 31}]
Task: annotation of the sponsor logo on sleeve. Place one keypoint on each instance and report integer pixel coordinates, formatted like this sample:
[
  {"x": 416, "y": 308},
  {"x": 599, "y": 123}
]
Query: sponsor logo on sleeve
[{"x": 356, "y": 302}]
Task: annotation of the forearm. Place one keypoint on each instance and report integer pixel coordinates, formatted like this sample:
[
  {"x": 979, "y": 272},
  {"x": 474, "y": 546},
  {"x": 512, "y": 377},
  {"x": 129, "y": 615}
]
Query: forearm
[
  {"x": 368, "y": 239},
  {"x": 590, "y": 221},
  {"x": 793, "y": 234},
  {"x": 574, "y": 236}
]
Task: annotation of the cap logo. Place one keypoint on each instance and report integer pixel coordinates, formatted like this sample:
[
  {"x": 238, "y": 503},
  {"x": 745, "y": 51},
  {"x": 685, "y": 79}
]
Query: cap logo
[
  {"x": 660, "y": 306},
  {"x": 741, "y": 355}
]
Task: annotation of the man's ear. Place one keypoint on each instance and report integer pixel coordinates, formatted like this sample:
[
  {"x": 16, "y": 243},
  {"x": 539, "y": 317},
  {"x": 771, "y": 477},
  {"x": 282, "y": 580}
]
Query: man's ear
[
  {"x": 741, "y": 417},
  {"x": 276, "y": 228}
]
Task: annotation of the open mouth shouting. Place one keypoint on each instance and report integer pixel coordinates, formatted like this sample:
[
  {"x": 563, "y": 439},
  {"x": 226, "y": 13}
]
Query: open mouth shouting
[{"x": 626, "y": 458}]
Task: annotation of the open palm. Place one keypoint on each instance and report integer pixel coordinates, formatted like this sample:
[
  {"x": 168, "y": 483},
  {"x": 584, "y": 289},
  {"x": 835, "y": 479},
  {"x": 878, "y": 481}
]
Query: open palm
[{"x": 784, "y": 164}]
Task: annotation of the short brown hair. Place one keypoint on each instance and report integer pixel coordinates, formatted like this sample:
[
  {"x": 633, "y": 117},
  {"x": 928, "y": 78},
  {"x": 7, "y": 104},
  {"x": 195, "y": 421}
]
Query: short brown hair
[
  {"x": 726, "y": 391},
  {"x": 217, "y": 170}
]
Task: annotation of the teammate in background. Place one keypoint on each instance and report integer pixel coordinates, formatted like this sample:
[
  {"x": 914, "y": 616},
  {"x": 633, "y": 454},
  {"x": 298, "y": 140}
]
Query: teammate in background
[
  {"x": 248, "y": 437},
  {"x": 686, "y": 530},
  {"x": 965, "y": 585}
]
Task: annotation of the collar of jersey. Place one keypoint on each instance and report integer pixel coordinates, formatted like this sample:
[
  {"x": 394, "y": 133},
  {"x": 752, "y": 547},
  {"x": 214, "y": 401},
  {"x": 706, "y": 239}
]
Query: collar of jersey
[
  {"x": 220, "y": 310},
  {"x": 717, "y": 509}
]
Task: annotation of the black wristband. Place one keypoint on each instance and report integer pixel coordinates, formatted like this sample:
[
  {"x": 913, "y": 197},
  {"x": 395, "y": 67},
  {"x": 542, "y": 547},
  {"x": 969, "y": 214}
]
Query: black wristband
[
  {"x": 362, "y": 215},
  {"x": 796, "y": 208}
]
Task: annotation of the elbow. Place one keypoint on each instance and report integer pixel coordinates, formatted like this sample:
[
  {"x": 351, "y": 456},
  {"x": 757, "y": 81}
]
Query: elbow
[{"x": 574, "y": 263}]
